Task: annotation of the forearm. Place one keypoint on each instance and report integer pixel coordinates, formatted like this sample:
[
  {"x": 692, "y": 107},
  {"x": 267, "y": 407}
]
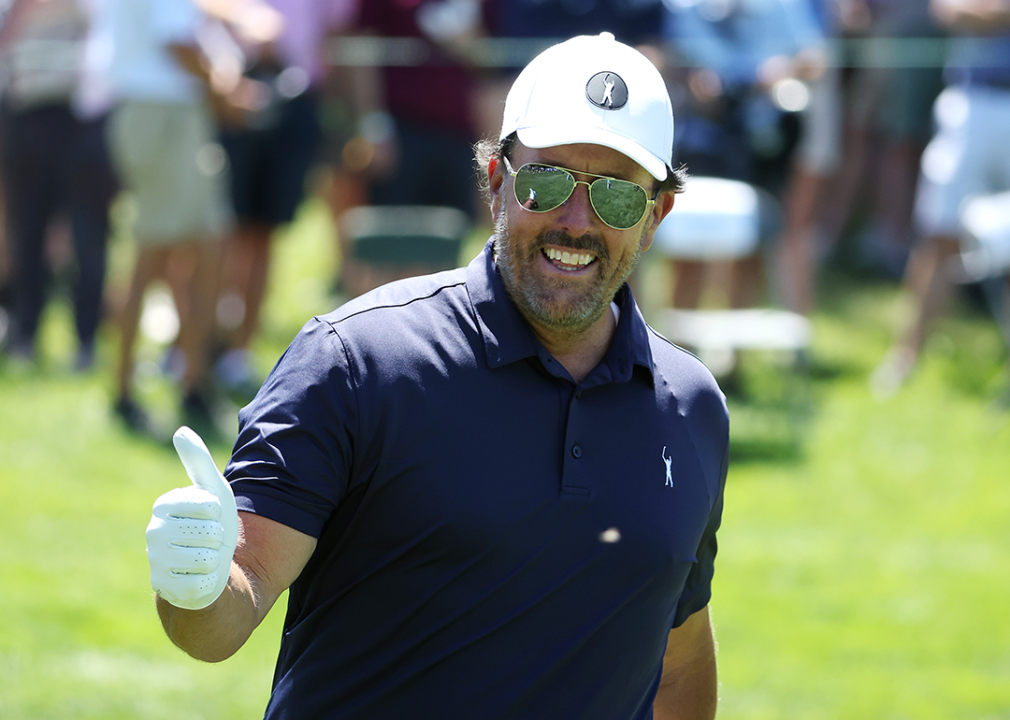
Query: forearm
[
  {"x": 226, "y": 90},
  {"x": 689, "y": 689},
  {"x": 195, "y": 535},
  {"x": 219, "y": 630},
  {"x": 192, "y": 62},
  {"x": 692, "y": 696},
  {"x": 268, "y": 557}
]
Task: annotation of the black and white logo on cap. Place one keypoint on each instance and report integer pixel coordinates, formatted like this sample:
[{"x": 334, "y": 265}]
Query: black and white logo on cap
[{"x": 607, "y": 90}]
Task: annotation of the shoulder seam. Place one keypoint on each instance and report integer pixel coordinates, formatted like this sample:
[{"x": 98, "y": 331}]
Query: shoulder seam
[
  {"x": 397, "y": 305},
  {"x": 670, "y": 342},
  {"x": 675, "y": 346}
]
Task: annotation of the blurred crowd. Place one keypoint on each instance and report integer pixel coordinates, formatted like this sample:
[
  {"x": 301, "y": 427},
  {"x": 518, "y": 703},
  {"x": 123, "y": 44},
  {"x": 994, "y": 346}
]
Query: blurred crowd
[{"x": 867, "y": 120}]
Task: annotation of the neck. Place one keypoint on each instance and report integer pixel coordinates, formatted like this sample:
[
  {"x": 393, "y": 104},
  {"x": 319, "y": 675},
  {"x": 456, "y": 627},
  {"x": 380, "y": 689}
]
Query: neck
[{"x": 579, "y": 351}]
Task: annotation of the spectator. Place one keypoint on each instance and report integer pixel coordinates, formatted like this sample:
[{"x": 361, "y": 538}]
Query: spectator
[
  {"x": 428, "y": 104},
  {"x": 163, "y": 142},
  {"x": 415, "y": 125},
  {"x": 731, "y": 56},
  {"x": 54, "y": 162},
  {"x": 815, "y": 166},
  {"x": 887, "y": 127},
  {"x": 270, "y": 155},
  {"x": 968, "y": 155}
]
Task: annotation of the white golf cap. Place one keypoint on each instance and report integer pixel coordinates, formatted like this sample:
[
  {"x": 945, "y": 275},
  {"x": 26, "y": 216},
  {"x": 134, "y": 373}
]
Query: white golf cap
[{"x": 594, "y": 89}]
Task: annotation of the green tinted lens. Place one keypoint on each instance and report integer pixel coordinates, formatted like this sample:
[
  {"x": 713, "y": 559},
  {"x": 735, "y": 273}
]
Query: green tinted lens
[
  {"x": 541, "y": 188},
  {"x": 619, "y": 203}
]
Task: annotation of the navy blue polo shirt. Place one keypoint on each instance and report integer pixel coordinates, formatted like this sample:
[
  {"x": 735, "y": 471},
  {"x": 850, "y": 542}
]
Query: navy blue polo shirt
[{"x": 495, "y": 541}]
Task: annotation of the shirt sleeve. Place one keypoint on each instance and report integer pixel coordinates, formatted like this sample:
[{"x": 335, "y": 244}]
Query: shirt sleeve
[
  {"x": 292, "y": 458},
  {"x": 698, "y": 586},
  {"x": 174, "y": 22}
]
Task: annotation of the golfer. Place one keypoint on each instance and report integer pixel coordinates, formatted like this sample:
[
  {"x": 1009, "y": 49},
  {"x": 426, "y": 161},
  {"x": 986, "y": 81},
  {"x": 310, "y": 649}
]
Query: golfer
[{"x": 492, "y": 492}]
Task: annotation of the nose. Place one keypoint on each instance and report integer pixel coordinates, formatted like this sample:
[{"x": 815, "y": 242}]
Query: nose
[{"x": 576, "y": 215}]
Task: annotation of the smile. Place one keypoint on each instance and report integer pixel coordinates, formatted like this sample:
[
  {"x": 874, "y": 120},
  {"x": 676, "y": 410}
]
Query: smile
[{"x": 570, "y": 259}]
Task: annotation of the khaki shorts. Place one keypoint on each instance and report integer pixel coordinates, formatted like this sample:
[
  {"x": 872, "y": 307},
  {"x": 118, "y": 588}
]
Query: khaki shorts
[{"x": 167, "y": 157}]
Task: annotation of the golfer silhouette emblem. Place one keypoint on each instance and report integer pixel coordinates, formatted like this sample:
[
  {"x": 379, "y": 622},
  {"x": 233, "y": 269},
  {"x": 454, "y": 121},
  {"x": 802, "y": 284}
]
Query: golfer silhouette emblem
[
  {"x": 669, "y": 468},
  {"x": 608, "y": 93},
  {"x": 607, "y": 90}
]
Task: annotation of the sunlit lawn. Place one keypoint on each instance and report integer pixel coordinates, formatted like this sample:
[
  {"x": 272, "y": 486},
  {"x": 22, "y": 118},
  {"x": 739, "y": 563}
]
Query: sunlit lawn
[{"x": 866, "y": 575}]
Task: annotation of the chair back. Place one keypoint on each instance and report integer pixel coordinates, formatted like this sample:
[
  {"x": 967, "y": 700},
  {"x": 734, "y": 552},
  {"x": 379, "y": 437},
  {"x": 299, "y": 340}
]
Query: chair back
[{"x": 407, "y": 235}]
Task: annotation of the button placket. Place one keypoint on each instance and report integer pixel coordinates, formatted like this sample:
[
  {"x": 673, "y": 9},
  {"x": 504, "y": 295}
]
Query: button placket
[{"x": 575, "y": 478}]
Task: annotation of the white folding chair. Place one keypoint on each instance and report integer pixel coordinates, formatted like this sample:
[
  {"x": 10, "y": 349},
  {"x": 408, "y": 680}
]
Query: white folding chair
[
  {"x": 985, "y": 252},
  {"x": 718, "y": 220}
]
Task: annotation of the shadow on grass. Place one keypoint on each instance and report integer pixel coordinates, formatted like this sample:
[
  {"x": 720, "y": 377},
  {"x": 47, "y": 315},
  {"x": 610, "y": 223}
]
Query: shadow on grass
[
  {"x": 770, "y": 414},
  {"x": 771, "y": 451},
  {"x": 771, "y": 402}
]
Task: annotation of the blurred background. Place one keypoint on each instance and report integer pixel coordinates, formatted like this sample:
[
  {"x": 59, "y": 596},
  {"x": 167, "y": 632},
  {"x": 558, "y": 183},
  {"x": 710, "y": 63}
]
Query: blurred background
[{"x": 186, "y": 182}]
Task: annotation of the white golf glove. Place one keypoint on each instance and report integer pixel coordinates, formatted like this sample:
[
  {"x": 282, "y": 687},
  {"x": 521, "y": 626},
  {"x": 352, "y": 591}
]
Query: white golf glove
[{"x": 193, "y": 531}]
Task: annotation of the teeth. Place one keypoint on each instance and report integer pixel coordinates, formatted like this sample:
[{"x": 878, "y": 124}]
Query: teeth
[{"x": 569, "y": 258}]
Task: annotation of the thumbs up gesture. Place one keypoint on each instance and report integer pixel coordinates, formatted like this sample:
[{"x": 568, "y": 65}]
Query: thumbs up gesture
[{"x": 193, "y": 531}]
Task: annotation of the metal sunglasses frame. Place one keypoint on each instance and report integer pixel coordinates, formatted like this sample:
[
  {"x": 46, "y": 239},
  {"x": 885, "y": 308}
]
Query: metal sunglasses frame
[{"x": 575, "y": 183}]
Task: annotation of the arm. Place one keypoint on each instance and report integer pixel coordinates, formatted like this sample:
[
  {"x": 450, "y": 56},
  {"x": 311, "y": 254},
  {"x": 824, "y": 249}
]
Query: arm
[
  {"x": 254, "y": 20},
  {"x": 216, "y": 573},
  {"x": 230, "y": 94},
  {"x": 688, "y": 689},
  {"x": 268, "y": 558},
  {"x": 984, "y": 17}
]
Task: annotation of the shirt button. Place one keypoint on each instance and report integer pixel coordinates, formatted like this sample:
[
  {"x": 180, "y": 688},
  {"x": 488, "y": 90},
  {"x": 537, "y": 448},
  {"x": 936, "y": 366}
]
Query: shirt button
[{"x": 576, "y": 451}]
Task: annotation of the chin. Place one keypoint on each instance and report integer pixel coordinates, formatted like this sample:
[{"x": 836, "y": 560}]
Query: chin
[{"x": 552, "y": 302}]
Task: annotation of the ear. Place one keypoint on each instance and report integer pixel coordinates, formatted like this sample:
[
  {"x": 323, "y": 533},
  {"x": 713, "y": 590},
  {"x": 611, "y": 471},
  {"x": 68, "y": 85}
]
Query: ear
[
  {"x": 496, "y": 182},
  {"x": 660, "y": 209}
]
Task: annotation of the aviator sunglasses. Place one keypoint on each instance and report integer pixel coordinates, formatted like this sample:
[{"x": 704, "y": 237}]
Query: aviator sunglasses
[{"x": 621, "y": 204}]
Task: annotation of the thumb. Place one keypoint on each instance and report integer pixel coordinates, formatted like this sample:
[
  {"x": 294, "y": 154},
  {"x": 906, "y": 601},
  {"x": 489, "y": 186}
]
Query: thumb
[{"x": 200, "y": 467}]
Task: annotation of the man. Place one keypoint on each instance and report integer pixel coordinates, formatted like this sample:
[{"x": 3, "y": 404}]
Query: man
[
  {"x": 969, "y": 155},
  {"x": 462, "y": 478},
  {"x": 270, "y": 156},
  {"x": 730, "y": 58},
  {"x": 162, "y": 142},
  {"x": 55, "y": 160}
]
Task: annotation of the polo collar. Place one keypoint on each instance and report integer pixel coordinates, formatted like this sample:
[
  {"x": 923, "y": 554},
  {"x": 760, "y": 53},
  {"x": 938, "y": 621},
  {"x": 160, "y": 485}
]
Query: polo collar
[{"x": 508, "y": 337}]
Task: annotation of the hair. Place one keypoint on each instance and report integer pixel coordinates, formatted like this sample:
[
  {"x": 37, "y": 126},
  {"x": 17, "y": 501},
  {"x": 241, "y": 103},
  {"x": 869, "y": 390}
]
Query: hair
[{"x": 488, "y": 149}]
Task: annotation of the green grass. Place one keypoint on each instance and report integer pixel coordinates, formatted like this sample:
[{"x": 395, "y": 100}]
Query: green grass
[{"x": 863, "y": 574}]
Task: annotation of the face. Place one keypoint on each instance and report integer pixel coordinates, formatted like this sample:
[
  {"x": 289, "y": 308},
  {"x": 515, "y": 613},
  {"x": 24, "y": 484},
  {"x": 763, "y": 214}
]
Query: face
[{"x": 563, "y": 267}]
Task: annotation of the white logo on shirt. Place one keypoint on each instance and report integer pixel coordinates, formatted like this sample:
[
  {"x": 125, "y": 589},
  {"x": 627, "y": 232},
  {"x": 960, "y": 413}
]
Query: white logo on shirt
[{"x": 669, "y": 468}]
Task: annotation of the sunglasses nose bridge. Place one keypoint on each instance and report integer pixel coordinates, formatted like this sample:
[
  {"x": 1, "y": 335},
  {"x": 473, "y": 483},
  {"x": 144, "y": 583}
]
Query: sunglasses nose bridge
[
  {"x": 577, "y": 212},
  {"x": 575, "y": 189}
]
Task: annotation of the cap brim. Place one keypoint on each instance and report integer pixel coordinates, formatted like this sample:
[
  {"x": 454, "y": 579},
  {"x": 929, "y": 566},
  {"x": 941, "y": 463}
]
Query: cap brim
[{"x": 551, "y": 136}]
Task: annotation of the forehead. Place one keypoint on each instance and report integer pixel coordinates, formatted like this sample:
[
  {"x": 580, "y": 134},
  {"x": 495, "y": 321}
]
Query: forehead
[{"x": 594, "y": 159}]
